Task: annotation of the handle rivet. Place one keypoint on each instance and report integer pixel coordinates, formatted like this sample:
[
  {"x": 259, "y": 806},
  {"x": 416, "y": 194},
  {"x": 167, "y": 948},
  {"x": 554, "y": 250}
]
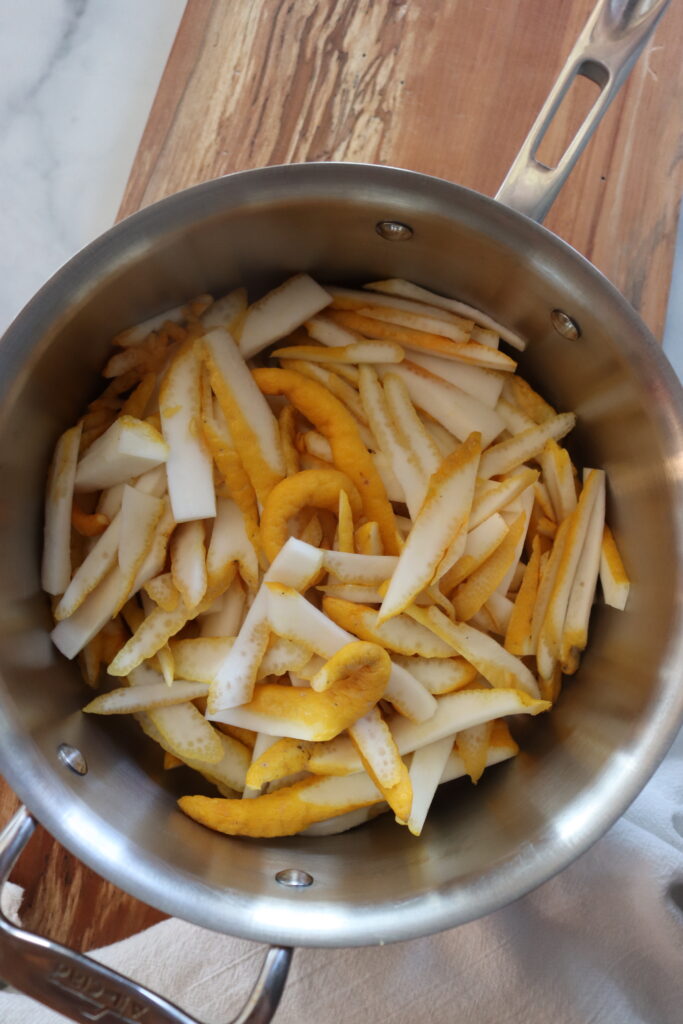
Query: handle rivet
[
  {"x": 72, "y": 758},
  {"x": 294, "y": 878},
  {"x": 393, "y": 230},
  {"x": 564, "y": 325}
]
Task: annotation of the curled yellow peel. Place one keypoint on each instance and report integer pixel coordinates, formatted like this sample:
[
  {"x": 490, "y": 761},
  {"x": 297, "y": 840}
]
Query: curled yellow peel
[
  {"x": 319, "y": 488},
  {"x": 284, "y": 757},
  {"x": 351, "y": 456},
  {"x": 282, "y": 813},
  {"x": 359, "y": 675}
]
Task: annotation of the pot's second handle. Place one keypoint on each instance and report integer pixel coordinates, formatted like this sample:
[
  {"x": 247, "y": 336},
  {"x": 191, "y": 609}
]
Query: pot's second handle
[
  {"x": 605, "y": 52},
  {"x": 86, "y": 991}
]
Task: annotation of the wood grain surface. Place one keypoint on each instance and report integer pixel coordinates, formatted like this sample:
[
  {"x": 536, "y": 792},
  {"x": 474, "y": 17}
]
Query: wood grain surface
[{"x": 446, "y": 88}]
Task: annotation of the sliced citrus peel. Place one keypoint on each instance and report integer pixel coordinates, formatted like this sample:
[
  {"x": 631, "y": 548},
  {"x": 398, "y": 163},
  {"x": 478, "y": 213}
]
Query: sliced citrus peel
[
  {"x": 252, "y": 424},
  {"x": 225, "y": 616},
  {"x": 575, "y": 634},
  {"x": 318, "y": 488},
  {"x": 471, "y": 595},
  {"x": 396, "y": 286},
  {"x": 458, "y": 412},
  {"x": 92, "y": 570},
  {"x": 423, "y": 341},
  {"x": 472, "y": 745},
  {"x": 426, "y": 769},
  {"x": 163, "y": 592},
  {"x": 287, "y": 426},
  {"x": 282, "y": 758},
  {"x": 226, "y": 310},
  {"x": 361, "y": 351},
  {"x": 294, "y": 808},
  {"x": 492, "y": 496},
  {"x": 517, "y": 390},
  {"x": 188, "y": 562},
  {"x": 292, "y": 616},
  {"x": 280, "y": 312},
  {"x": 230, "y": 544},
  {"x": 56, "y": 566},
  {"x": 345, "y": 530},
  {"x": 198, "y": 659},
  {"x": 551, "y": 635},
  {"x": 400, "y": 634},
  {"x": 227, "y": 773},
  {"x": 411, "y": 477},
  {"x": 507, "y": 455},
  {"x": 494, "y": 663},
  {"x": 565, "y": 560},
  {"x": 367, "y": 540},
  {"x": 382, "y": 761},
  {"x": 88, "y": 524},
  {"x": 358, "y": 677},
  {"x": 229, "y": 464},
  {"x": 190, "y": 477},
  {"x": 442, "y": 518},
  {"x": 351, "y": 456},
  {"x": 439, "y": 675},
  {"x": 296, "y": 565},
  {"x": 613, "y": 579},
  {"x": 342, "y": 390},
  {"x": 480, "y": 544},
  {"x": 408, "y": 425},
  {"x": 145, "y": 698},
  {"x": 518, "y": 635},
  {"x": 455, "y": 712}
]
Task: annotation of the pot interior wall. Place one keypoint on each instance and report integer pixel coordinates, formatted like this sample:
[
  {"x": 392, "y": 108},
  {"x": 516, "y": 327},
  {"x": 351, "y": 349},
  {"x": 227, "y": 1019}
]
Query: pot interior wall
[{"x": 580, "y": 765}]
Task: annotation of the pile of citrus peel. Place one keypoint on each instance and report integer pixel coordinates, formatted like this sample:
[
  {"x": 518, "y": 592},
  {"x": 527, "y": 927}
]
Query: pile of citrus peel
[{"x": 324, "y": 581}]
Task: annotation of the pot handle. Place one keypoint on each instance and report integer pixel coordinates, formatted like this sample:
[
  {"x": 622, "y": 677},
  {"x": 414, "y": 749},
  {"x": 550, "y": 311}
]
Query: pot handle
[
  {"x": 80, "y": 988},
  {"x": 605, "y": 52}
]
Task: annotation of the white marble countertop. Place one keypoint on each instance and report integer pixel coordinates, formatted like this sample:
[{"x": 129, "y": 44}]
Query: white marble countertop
[{"x": 72, "y": 111}]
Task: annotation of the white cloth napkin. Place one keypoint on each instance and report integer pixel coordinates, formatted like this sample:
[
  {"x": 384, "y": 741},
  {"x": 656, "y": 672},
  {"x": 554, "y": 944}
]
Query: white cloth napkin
[{"x": 600, "y": 944}]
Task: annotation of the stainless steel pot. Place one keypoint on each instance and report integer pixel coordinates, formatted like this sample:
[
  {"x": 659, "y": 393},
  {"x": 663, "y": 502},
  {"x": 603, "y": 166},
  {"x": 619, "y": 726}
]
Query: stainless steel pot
[{"x": 91, "y": 784}]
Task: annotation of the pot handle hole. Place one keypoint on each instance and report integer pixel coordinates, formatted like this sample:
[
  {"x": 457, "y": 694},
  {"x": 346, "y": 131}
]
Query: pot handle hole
[
  {"x": 608, "y": 47},
  {"x": 73, "y": 984}
]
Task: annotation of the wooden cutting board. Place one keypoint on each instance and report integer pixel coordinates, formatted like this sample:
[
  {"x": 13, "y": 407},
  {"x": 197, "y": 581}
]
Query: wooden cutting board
[{"x": 446, "y": 88}]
